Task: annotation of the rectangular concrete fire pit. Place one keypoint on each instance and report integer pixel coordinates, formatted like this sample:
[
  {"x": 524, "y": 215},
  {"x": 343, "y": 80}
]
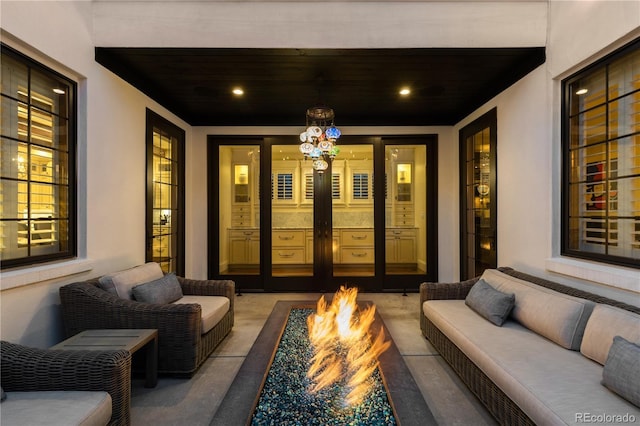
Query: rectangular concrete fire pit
[{"x": 239, "y": 405}]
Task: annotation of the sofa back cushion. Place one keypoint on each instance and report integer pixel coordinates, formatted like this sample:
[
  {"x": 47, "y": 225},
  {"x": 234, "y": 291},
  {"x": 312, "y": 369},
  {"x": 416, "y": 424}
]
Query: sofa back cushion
[
  {"x": 605, "y": 323},
  {"x": 558, "y": 317},
  {"x": 120, "y": 283}
]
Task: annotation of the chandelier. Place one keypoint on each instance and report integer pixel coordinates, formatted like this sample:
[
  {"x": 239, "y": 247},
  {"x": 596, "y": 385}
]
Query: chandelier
[{"x": 318, "y": 142}]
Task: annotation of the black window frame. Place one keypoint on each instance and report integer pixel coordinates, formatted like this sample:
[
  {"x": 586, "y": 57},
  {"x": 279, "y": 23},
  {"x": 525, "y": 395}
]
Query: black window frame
[
  {"x": 67, "y": 249},
  {"x": 566, "y": 201}
]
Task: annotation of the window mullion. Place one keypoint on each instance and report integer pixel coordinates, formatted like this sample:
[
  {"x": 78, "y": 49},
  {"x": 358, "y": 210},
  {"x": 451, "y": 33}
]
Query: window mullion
[
  {"x": 601, "y": 181},
  {"x": 607, "y": 162}
]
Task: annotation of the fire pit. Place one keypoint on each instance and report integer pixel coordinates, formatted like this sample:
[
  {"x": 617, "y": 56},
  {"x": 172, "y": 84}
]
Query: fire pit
[
  {"x": 243, "y": 396},
  {"x": 325, "y": 368}
]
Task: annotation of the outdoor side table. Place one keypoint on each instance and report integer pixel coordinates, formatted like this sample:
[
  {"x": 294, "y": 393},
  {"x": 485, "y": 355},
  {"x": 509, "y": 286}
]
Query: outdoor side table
[{"x": 129, "y": 339}]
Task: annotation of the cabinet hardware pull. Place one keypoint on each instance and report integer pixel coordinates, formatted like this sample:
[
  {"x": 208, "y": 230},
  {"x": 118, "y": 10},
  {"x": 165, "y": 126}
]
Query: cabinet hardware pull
[
  {"x": 358, "y": 254},
  {"x": 286, "y": 254},
  {"x": 355, "y": 237},
  {"x": 285, "y": 237}
]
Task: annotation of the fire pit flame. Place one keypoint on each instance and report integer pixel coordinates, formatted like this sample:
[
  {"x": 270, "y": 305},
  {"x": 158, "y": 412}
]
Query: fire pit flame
[{"x": 343, "y": 351}]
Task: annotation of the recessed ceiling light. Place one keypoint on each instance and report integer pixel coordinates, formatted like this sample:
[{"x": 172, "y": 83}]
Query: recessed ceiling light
[
  {"x": 58, "y": 91},
  {"x": 238, "y": 91},
  {"x": 405, "y": 91},
  {"x": 582, "y": 91}
]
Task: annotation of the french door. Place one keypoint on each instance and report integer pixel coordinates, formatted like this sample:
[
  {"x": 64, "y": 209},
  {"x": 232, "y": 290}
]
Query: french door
[
  {"x": 165, "y": 194},
  {"x": 283, "y": 226},
  {"x": 478, "y": 189}
]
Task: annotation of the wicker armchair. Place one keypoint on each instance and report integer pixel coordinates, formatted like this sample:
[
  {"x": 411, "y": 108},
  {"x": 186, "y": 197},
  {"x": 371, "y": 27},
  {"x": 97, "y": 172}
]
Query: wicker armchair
[
  {"x": 182, "y": 348},
  {"x": 26, "y": 369}
]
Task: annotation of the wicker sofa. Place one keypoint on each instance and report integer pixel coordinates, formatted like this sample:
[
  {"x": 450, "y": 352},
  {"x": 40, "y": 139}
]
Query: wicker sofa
[
  {"x": 521, "y": 376},
  {"x": 182, "y": 346},
  {"x": 45, "y": 386}
]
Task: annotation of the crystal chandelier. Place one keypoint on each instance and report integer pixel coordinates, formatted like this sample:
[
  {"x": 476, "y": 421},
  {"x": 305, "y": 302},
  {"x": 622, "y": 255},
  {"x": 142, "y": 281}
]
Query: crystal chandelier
[{"x": 318, "y": 142}]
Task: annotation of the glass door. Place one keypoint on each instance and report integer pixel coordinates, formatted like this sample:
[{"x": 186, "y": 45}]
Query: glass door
[
  {"x": 478, "y": 239},
  {"x": 292, "y": 212},
  {"x": 238, "y": 190},
  {"x": 352, "y": 196},
  {"x": 406, "y": 209},
  {"x": 322, "y": 222},
  {"x": 165, "y": 194},
  {"x": 365, "y": 221}
]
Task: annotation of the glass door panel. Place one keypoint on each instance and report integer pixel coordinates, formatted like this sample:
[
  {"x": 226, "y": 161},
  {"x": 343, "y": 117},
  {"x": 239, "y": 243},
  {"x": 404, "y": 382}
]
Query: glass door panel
[
  {"x": 478, "y": 205},
  {"x": 165, "y": 199},
  {"x": 353, "y": 244},
  {"x": 239, "y": 232},
  {"x": 405, "y": 209},
  {"x": 292, "y": 202}
]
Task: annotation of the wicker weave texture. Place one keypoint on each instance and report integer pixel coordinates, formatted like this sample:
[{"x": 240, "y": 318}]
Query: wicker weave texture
[
  {"x": 182, "y": 348},
  {"x": 26, "y": 369},
  {"x": 494, "y": 399}
]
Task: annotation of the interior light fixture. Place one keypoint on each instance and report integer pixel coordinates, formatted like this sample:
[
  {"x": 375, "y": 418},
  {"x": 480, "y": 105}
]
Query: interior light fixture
[
  {"x": 238, "y": 91},
  {"x": 318, "y": 141},
  {"x": 405, "y": 91},
  {"x": 58, "y": 91},
  {"x": 581, "y": 91}
]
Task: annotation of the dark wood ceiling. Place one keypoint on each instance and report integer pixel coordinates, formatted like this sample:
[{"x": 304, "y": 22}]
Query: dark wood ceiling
[{"x": 361, "y": 85}]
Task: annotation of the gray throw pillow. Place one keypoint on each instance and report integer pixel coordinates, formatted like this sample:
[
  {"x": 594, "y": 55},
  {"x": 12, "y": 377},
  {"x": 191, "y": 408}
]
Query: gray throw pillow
[
  {"x": 161, "y": 291},
  {"x": 490, "y": 303},
  {"x": 621, "y": 372}
]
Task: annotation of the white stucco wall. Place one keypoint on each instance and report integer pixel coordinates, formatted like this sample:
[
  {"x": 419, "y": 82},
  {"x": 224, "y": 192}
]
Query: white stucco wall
[
  {"x": 111, "y": 175},
  {"x": 524, "y": 171},
  {"x": 604, "y": 26},
  {"x": 112, "y": 121},
  {"x": 529, "y": 148},
  {"x": 310, "y": 24}
]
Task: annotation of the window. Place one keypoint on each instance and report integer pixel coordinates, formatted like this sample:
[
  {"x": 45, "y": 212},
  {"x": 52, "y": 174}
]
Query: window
[
  {"x": 601, "y": 160},
  {"x": 284, "y": 186},
  {"x": 37, "y": 173},
  {"x": 335, "y": 186},
  {"x": 360, "y": 186},
  {"x": 308, "y": 186}
]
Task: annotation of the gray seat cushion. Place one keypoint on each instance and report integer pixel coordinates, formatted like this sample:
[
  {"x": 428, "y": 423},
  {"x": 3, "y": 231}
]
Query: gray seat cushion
[
  {"x": 214, "y": 308},
  {"x": 48, "y": 408},
  {"x": 548, "y": 382}
]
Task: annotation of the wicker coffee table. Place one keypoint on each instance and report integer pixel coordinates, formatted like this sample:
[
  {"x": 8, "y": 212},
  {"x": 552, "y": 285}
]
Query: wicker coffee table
[{"x": 129, "y": 339}]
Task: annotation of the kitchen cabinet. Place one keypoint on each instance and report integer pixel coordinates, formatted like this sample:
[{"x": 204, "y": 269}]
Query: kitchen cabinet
[
  {"x": 288, "y": 246},
  {"x": 241, "y": 215},
  {"x": 244, "y": 247},
  {"x": 400, "y": 245},
  {"x": 356, "y": 246}
]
